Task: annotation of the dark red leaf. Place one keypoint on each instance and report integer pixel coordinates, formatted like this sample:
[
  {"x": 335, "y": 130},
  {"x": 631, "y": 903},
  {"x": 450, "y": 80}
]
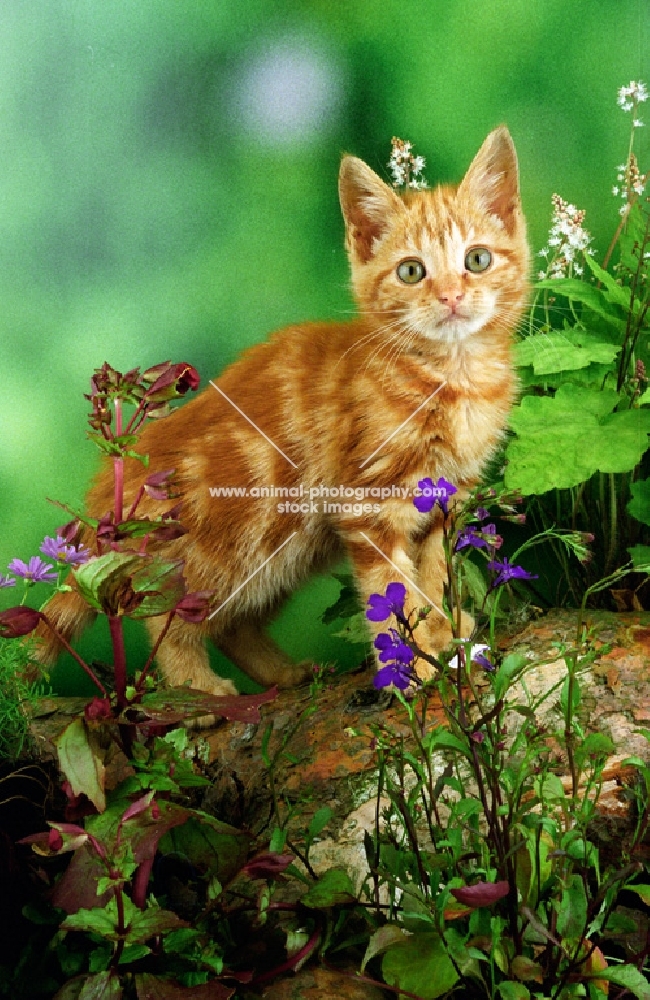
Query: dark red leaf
[
  {"x": 15, "y": 622},
  {"x": 98, "y": 708},
  {"x": 481, "y": 894},
  {"x": 267, "y": 865},
  {"x": 195, "y": 607}
]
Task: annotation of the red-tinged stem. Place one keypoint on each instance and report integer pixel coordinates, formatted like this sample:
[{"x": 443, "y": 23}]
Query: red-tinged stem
[
  {"x": 66, "y": 645},
  {"x": 138, "y": 498},
  {"x": 119, "y": 659},
  {"x": 156, "y": 646},
  {"x": 141, "y": 883},
  {"x": 292, "y": 963},
  {"x": 118, "y": 467},
  {"x": 121, "y": 929}
]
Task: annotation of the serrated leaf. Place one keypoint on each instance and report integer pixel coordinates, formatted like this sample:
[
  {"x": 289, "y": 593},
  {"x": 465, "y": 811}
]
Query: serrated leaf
[
  {"x": 333, "y": 888},
  {"x": 80, "y": 763},
  {"x": 564, "y": 350},
  {"x": 146, "y": 923},
  {"x": 208, "y": 844},
  {"x": 103, "y": 986},
  {"x": 614, "y": 292},
  {"x": 420, "y": 964},
  {"x": 581, "y": 291}
]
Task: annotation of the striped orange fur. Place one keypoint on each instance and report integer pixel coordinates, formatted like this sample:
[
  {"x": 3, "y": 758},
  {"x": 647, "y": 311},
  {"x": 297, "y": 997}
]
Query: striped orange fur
[{"x": 328, "y": 396}]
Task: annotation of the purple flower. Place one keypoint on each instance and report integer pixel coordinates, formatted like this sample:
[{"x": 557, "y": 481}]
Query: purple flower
[
  {"x": 482, "y": 661},
  {"x": 393, "y": 648},
  {"x": 34, "y": 571},
  {"x": 398, "y": 674},
  {"x": 68, "y": 555},
  {"x": 507, "y": 572},
  {"x": 477, "y": 538},
  {"x": 7, "y": 581},
  {"x": 381, "y": 607},
  {"x": 481, "y": 513},
  {"x": 434, "y": 493}
]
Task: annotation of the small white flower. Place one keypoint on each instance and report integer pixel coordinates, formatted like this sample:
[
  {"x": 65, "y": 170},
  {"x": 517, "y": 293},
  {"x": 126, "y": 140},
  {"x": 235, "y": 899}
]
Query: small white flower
[
  {"x": 578, "y": 269},
  {"x": 615, "y": 191},
  {"x": 639, "y": 187},
  {"x": 624, "y": 209},
  {"x": 418, "y": 164},
  {"x": 541, "y": 275},
  {"x": 637, "y": 123}
]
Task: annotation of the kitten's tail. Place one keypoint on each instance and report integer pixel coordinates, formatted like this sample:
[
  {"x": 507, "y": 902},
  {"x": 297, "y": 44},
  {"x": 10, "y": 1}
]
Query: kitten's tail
[{"x": 70, "y": 616}]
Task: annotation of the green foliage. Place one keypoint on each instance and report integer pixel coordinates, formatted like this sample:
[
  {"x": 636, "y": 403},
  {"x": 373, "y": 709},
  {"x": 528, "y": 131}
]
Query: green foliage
[{"x": 18, "y": 695}]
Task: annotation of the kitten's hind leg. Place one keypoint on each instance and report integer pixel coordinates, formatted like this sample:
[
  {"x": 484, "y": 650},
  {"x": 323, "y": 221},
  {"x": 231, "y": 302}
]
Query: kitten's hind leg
[
  {"x": 253, "y": 651},
  {"x": 183, "y": 657}
]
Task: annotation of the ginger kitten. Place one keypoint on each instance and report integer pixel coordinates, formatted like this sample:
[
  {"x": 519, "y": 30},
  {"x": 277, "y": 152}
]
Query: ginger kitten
[{"x": 440, "y": 278}]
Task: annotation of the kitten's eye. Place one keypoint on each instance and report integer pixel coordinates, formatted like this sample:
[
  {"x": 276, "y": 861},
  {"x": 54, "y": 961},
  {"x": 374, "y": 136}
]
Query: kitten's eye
[
  {"x": 411, "y": 271},
  {"x": 478, "y": 259}
]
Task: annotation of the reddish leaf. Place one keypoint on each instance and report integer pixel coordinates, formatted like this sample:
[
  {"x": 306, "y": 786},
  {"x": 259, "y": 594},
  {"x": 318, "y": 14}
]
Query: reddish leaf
[
  {"x": 481, "y": 894},
  {"x": 98, "y": 708},
  {"x": 15, "y": 622},
  {"x": 77, "y": 887},
  {"x": 158, "y": 484},
  {"x": 80, "y": 764},
  {"x": 137, "y": 807},
  {"x": 194, "y": 608},
  {"x": 267, "y": 865},
  {"x": 144, "y": 830},
  {"x": 153, "y": 988}
]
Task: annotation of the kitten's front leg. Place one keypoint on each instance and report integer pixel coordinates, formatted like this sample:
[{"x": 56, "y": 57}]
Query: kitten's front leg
[
  {"x": 380, "y": 557},
  {"x": 435, "y": 633}
]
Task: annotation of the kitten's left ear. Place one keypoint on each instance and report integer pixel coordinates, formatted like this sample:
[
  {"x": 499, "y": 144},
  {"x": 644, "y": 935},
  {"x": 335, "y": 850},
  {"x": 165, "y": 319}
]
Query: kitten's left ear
[{"x": 493, "y": 178}]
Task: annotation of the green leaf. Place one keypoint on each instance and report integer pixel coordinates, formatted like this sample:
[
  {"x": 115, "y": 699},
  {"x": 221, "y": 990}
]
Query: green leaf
[
  {"x": 614, "y": 292},
  {"x": 562, "y": 440},
  {"x": 380, "y": 941},
  {"x": 347, "y": 604},
  {"x": 319, "y": 821},
  {"x": 581, "y": 291},
  {"x": 103, "y": 986},
  {"x": 640, "y": 556},
  {"x": 629, "y": 977},
  {"x": 639, "y": 505},
  {"x": 132, "y": 952},
  {"x": 512, "y": 665},
  {"x": 99, "y": 920},
  {"x": 420, "y": 964},
  {"x": 572, "y": 911},
  {"x": 355, "y": 629},
  {"x": 152, "y": 921},
  {"x": 80, "y": 763},
  {"x": 125, "y": 582},
  {"x": 510, "y": 990},
  {"x": 333, "y": 888},
  {"x": 563, "y": 351},
  {"x": 208, "y": 844},
  {"x": 642, "y": 891}
]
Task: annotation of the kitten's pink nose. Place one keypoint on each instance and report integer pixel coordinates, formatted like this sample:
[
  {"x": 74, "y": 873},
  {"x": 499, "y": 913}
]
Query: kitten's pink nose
[{"x": 451, "y": 297}]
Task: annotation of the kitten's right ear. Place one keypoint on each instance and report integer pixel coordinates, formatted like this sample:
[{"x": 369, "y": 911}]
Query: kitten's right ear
[{"x": 367, "y": 205}]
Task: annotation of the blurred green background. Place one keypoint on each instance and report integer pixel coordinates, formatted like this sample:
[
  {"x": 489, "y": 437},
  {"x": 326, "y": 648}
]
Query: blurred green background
[{"x": 168, "y": 184}]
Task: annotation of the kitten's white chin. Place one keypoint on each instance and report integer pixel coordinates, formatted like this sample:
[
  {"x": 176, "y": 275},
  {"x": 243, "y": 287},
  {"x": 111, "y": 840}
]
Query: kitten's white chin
[{"x": 454, "y": 329}]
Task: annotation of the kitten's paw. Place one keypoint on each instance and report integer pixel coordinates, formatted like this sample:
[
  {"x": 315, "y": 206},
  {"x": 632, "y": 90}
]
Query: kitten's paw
[{"x": 295, "y": 674}]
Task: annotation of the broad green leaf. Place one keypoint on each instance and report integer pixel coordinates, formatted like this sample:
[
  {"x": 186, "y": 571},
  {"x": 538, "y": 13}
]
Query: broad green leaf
[
  {"x": 639, "y": 505},
  {"x": 526, "y": 968},
  {"x": 152, "y": 921},
  {"x": 640, "y": 556},
  {"x": 643, "y": 891},
  {"x": 333, "y": 888},
  {"x": 563, "y": 350},
  {"x": 208, "y": 844},
  {"x": 420, "y": 964},
  {"x": 572, "y": 911},
  {"x": 100, "y": 920},
  {"x": 95, "y": 578},
  {"x": 382, "y": 939},
  {"x": 510, "y": 990},
  {"x": 629, "y": 977},
  {"x": 562, "y": 440},
  {"x": 347, "y": 605},
  {"x": 128, "y": 583},
  {"x": 444, "y": 740},
  {"x": 80, "y": 763}
]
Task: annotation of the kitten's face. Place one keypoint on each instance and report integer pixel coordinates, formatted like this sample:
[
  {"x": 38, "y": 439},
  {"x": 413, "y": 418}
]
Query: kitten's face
[{"x": 443, "y": 264}]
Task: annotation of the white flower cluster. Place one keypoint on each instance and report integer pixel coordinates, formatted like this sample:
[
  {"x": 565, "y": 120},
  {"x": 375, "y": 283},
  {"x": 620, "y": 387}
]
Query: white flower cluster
[
  {"x": 630, "y": 97},
  {"x": 631, "y": 182},
  {"x": 404, "y": 167},
  {"x": 566, "y": 238}
]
